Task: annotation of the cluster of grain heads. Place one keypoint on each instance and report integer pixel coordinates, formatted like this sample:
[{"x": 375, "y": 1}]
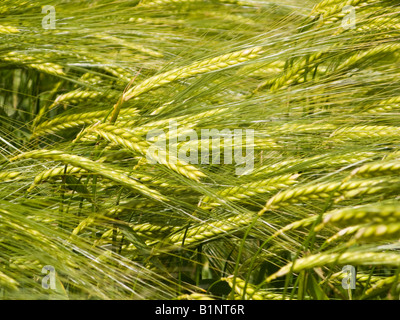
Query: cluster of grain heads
[
  {"x": 124, "y": 138},
  {"x": 38, "y": 64},
  {"x": 294, "y": 74},
  {"x": 78, "y": 120},
  {"x": 93, "y": 167}
]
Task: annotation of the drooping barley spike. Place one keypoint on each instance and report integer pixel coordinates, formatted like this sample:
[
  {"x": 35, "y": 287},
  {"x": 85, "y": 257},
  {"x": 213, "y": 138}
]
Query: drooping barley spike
[
  {"x": 33, "y": 63},
  {"x": 251, "y": 189},
  {"x": 8, "y": 176},
  {"x": 131, "y": 45},
  {"x": 85, "y": 223},
  {"x": 361, "y": 278},
  {"x": 366, "y": 55},
  {"x": 128, "y": 207},
  {"x": 148, "y": 228},
  {"x": 52, "y": 173},
  {"x": 78, "y": 96},
  {"x": 342, "y": 233},
  {"x": 208, "y": 65},
  {"x": 359, "y": 132},
  {"x": 362, "y": 214},
  {"x": 195, "y": 296},
  {"x": 186, "y": 120},
  {"x": 386, "y": 105},
  {"x": 381, "y": 188},
  {"x": 315, "y": 191},
  {"x": 332, "y": 9},
  {"x": 94, "y": 167},
  {"x": 314, "y": 162},
  {"x": 380, "y": 286},
  {"x": 379, "y": 25},
  {"x": 297, "y": 224},
  {"x": 145, "y": 229},
  {"x": 61, "y": 123},
  {"x": 323, "y": 5},
  {"x": 377, "y": 232},
  {"x": 377, "y": 169},
  {"x": 294, "y": 74},
  {"x": 56, "y": 125},
  {"x": 353, "y": 258},
  {"x": 209, "y": 230},
  {"x": 154, "y": 180},
  {"x": 120, "y": 137},
  {"x": 249, "y": 291},
  {"x": 127, "y": 139},
  {"x": 272, "y": 68}
]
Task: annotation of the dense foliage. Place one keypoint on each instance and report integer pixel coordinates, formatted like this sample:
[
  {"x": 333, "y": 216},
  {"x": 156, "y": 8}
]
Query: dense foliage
[{"x": 80, "y": 100}]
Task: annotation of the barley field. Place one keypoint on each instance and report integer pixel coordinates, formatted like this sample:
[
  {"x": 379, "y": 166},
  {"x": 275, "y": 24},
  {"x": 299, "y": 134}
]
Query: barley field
[{"x": 199, "y": 149}]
